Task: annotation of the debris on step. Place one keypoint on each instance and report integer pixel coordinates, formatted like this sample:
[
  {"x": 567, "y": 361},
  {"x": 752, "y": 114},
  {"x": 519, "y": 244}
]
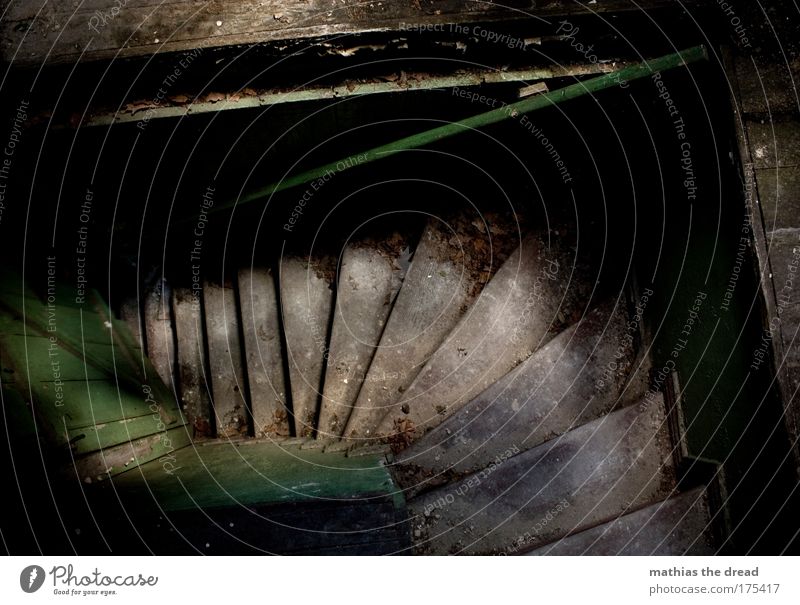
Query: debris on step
[
  {"x": 262, "y": 344},
  {"x": 446, "y": 274},
  {"x": 369, "y": 279},
  {"x": 596, "y": 472},
  {"x": 534, "y": 89},
  {"x": 518, "y": 311},
  {"x": 576, "y": 377},
  {"x": 306, "y": 297},
  {"x": 225, "y": 359},
  {"x": 678, "y": 526},
  {"x": 190, "y": 337}
]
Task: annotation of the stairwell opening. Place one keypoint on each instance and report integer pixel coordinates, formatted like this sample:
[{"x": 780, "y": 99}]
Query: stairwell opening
[{"x": 521, "y": 296}]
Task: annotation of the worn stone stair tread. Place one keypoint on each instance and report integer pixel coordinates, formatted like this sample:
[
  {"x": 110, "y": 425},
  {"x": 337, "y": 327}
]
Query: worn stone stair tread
[
  {"x": 443, "y": 280},
  {"x": 262, "y": 344},
  {"x": 516, "y": 313},
  {"x": 598, "y": 471},
  {"x": 225, "y": 359},
  {"x": 189, "y": 335},
  {"x": 306, "y": 300},
  {"x": 369, "y": 280},
  {"x": 576, "y": 377},
  {"x": 678, "y": 526},
  {"x": 159, "y": 330}
]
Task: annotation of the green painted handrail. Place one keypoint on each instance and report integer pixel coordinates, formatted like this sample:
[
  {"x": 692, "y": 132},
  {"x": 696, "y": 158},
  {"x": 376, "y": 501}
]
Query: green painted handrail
[{"x": 619, "y": 77}]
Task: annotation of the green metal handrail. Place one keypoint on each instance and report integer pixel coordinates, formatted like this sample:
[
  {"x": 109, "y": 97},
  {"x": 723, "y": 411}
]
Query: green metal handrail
[{"x": 619, "y": 77}]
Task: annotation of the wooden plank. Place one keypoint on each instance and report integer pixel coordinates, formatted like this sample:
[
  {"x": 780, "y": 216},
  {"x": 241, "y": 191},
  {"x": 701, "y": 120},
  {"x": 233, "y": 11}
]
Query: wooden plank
[
  {"x": 534, "y": 89},
  {"x": 83, "y": 403},
  {"x": 306, "y": 301},
  {"x": 160, "y": 330},
  {"x": 26, "y": 359},
  {"x": 749, "y": 162},
  {"x": 75, "y": 330},
  {"x": 225, "y": 360},
  {"x": 71, "y": 324},
  {"x": 262, "y": 340},
  {"x": 140, "y": 371},
  {"x": 257, "y": 472},
  {"x": 106, "y": 434},
  {"x": 160, "y": 447},
  {"x": 98, "y": 383},
  {"x": 779, "y": 194},
  {"x": 190, "y": 338},
  {"x": 60, "y": 32}
]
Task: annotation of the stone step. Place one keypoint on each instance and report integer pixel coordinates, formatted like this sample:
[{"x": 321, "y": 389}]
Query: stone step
[
  {"x": 262, "y": 344},
  {"x": 576, "y": 377},
  {"x": 516, "y": 313},
  {"x": 675, "y": 527},
  {"x": 593, "y": 473},
  {"x": 306, "y": 287},
  {"x": 159, "y": 330},
  {"x": 190, "y": 337},
  {"x": 445, "y": 276},
  {"x": 369, "y": 280},
  {"x": 225, "y": 360}
]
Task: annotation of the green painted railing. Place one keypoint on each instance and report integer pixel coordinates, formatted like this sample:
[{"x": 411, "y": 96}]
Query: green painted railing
[{"x": 616, "y": 78}]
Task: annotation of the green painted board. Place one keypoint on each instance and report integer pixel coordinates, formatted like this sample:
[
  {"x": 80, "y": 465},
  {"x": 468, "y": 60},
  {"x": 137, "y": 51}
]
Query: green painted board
[
  {"x": 106, "y": 434},
  {"x": 16, "y": 350},
  {"x": 69, "y": 323},
  {"x": 85, "y": 403},
  {"x": 158, "y": 449},
  {"x": 255, "y": 472},
  {"x": 74, "y": 329}
]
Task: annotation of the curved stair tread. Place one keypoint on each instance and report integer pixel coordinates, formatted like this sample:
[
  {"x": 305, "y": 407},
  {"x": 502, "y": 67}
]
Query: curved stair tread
[
  {"x": 306, "y": 305},
  {"x": 515, "y": 314},
  {"x": 262, "y": 345},
  {"x": 369, "y": 280},
  {"x": 593, "y": 473},
  {"x": 189, "y": 336},
  {"x": 159, "y": 329},
  {"x": 225, "y": 360},
  {"x": 576, "y": 377},
  {"x": 444, "y": 278},
  {"x": 675, "y": 527}
]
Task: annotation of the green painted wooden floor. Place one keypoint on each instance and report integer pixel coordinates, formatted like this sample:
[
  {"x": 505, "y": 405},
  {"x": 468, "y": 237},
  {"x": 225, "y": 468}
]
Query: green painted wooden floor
[{"x": 253, "y": 472}]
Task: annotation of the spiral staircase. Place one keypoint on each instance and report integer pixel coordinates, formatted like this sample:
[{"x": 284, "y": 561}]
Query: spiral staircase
[{"x": 480, "y": 386}]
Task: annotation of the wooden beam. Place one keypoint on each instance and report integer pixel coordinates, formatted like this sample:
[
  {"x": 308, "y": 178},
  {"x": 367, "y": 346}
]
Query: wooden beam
[{"x": 33, "y": 33}]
